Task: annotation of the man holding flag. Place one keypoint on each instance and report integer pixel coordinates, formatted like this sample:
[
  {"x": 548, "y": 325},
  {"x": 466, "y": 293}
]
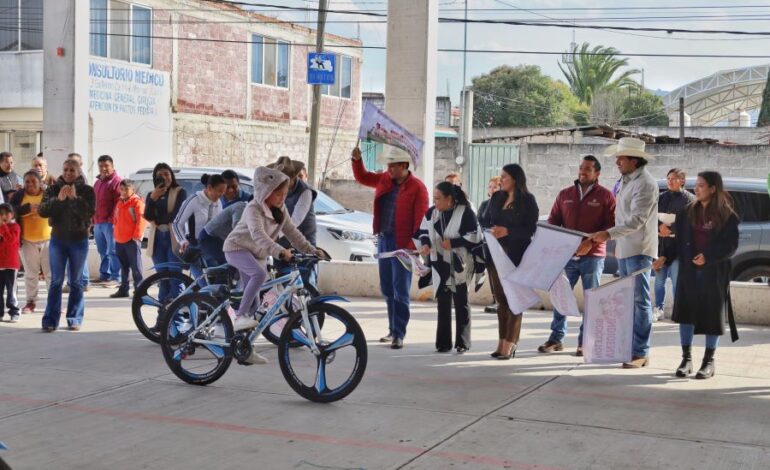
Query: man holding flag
[{"x": 400, "y": 202}]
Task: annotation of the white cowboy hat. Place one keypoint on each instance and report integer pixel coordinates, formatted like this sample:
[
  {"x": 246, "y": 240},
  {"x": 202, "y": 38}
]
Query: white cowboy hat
[
  {"x": 393, "y": 154},
  {"x": 628, "y": 147}
]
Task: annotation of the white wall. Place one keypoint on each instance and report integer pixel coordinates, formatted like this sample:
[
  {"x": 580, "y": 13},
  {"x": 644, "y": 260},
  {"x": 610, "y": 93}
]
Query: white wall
[
  {"x": 21, "y": 76},
  {"x": 129, "y": 108}
]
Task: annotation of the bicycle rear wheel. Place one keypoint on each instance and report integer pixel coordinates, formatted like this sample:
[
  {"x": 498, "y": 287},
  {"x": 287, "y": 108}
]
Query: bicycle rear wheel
[
  {"x": 195, "y": 363},
  {"x": 339, "y": 368},
  {"x": 146, "y": 307}
]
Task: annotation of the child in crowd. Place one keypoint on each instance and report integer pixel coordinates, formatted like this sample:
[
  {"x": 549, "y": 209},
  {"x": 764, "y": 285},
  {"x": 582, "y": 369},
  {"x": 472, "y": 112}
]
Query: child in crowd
[
  {"x": 10, "y": 238},
  {"x": 128, "y": 232}
]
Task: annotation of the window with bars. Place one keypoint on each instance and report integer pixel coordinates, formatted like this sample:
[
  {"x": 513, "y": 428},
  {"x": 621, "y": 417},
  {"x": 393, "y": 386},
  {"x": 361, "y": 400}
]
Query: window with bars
[
  {"x": 269, "y": 61},
  {"x": 343, "y": 79},
  {"x": 121, "y": 31},
  {"x": 21, "y": 25}
]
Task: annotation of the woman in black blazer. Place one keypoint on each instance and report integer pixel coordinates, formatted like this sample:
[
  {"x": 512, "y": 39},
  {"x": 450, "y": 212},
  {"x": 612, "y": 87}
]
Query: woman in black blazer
[{"x": 511, "y": 216}]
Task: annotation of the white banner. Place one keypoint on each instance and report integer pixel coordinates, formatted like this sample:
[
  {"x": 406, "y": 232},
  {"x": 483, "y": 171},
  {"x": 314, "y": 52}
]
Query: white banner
[
  {"x": 379, "y": 127},
  {"x": 609, "y": 322},
  {"x": 519, "y": 297},
  {"x": 563, "y": 298},
  {"x": 409, "y": 259},
  {"x": 543, "y": 262}
]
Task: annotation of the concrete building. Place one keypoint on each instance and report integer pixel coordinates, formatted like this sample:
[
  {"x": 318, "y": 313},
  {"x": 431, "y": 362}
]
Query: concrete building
[
  {"x": 444, "y": 116},
  {"x": 189, "y": 82}
]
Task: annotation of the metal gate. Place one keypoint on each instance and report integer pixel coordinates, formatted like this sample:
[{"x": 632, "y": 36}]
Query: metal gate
[{"x": 486, "y": 161}]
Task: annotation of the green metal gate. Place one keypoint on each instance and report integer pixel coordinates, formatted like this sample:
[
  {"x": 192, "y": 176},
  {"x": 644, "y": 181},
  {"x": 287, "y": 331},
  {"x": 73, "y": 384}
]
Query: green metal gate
[{"x": 486, "y": 160}]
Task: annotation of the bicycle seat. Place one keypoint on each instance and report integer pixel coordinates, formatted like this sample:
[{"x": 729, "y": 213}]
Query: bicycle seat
[
  {"x": 220, "y": 270},
  {"x": 216, "y": 290}
]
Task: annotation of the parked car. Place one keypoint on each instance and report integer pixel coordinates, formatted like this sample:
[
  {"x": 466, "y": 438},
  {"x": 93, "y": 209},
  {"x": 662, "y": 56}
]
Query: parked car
[
  {"x": 751, "y": 262},
  {"x": 344, "y": 233}
]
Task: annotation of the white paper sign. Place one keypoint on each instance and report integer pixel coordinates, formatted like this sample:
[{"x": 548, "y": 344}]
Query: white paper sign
[
  {"x": 519, "y": 297},
  {"x": 408, "y": 259},
  {"x": 543, "y": 262},
  {"x": 563, "y": 297},
  {"x": 609, "y": 322}
]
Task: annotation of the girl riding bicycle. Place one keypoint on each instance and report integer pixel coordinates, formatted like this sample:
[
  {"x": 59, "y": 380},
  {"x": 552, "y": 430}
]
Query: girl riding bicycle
[{"x": 254, "y": 239}]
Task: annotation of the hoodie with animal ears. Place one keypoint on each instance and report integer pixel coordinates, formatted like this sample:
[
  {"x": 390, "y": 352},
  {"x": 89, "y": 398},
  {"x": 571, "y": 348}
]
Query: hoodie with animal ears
[{"x": 258, "y": 230}]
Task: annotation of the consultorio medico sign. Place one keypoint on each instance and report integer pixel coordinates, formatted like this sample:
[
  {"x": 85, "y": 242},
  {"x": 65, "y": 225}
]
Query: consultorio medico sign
[{"x": 131, "y": 114}]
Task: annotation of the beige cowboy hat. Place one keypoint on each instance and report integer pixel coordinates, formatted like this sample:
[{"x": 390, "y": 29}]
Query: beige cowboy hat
[
  {"x": 628, "y": 147},
  {"x": 393, "y": 154}
]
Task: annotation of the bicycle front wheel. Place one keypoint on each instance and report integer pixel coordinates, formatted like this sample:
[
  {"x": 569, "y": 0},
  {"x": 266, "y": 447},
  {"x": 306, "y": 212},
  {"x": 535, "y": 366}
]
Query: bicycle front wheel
[
  {"x": 340, "y": 366},
  {"x": 201, "y": 357},
  {"x": 146, "y": 305}
]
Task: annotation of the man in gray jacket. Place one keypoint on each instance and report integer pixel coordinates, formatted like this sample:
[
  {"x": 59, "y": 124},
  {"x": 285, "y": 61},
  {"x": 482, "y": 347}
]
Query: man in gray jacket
[{"x": 636, "y": 232}]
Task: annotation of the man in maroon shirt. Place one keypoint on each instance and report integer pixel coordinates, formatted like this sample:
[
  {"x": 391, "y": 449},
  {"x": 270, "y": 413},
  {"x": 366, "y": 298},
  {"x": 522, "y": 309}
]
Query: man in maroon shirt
[{"x": 588, "y": 207}]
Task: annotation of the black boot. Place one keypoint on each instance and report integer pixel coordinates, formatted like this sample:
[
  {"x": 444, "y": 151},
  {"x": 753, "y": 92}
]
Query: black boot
[
  {"x": 707, "y": 367},
  {"x": 685, "y": 368}
]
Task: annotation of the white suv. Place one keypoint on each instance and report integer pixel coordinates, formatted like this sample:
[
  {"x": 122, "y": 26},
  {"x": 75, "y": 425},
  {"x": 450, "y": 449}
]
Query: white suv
[{"x": 343, "y": 233}]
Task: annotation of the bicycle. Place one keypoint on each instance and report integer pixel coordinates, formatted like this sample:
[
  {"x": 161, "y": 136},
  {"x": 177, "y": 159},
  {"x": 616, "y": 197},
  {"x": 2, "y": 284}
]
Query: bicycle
[
  {"x": 199, "y": 344},
  {"x": 146, "y": 304}
]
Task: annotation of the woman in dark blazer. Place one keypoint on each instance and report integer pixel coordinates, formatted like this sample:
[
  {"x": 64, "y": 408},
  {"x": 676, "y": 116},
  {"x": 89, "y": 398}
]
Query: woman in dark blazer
[
  {"x": 706, "y": 238},
  {"x": 511, "y": 216}
]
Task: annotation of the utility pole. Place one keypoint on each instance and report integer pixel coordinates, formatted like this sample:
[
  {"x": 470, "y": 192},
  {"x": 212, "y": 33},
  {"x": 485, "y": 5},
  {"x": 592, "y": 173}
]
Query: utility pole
[
  {"x": 463, "y": 117},
  {"x": 681, "y": 121},
  {"x": 315, "y": 114}
]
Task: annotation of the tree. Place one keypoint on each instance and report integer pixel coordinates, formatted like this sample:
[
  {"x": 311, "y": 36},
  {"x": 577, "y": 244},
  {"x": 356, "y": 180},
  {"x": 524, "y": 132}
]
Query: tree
[
  {"x": 627, "y": 107},
  {"x": 572, "y": 111},
  {"x": 764, "y": 111},
  {"x": 589, "y": 71},
  {"x": 518, "y": 96},
  {"x": 643, "y": 109}
]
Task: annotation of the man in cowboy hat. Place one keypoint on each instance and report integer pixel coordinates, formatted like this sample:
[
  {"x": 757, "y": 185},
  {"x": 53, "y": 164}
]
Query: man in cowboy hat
[
  {"x": 636, "y": 232},
  {"x": 400, "y": 202}
]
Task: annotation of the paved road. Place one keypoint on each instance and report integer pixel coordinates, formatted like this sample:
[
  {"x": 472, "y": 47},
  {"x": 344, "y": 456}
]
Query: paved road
[{"x": 102, "y": 398}]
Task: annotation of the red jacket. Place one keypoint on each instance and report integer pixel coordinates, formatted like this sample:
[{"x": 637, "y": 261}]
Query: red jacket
[
  {"x": 411, "y": 202},
  {"x": 129, "y": 223},
  {"x": 107, "y": 196},
  {"x": 594, "y": 213},
  {"x": 10, "y": 239}
]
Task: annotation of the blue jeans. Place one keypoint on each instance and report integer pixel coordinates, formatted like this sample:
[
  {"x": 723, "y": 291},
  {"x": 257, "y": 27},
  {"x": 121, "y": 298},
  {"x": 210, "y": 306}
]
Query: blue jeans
[
  {"x": 589, "y": 270},
  {"x": 109, "y": 269},
  {"x": 642, "y": 301},
  {"x": 85, "y": 280},
  {"x": 163, "y": 252},
  {"x": 686, "y": 333},
  {"x": 61, "y": 253},
  {"x": 395, "y": 281},
  {"x": 211, "y": 249},
  {"x": 672, "y": 271},
  {"x": 130, "y": 257}
]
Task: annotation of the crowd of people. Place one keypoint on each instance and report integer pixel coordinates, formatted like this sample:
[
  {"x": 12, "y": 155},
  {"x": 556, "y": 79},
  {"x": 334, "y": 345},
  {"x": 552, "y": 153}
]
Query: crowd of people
[
  {"x": 46, "y": 223},
  {"x": 694, "y": 250}
]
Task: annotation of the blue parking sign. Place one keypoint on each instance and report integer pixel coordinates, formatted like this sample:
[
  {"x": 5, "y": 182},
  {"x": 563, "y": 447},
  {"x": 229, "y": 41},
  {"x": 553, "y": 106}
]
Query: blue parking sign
[{"x": 320, "y": 68}]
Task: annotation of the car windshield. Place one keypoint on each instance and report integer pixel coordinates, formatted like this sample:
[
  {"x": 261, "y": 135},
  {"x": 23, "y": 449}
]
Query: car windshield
[{"x": 325, "y": 205}]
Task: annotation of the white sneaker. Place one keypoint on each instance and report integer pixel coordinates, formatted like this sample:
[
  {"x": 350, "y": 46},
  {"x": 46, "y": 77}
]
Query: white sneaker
[
  {"x": 256, "y": 358},
  {"x": 657, "y": 314},
  {"x": 244, "y": 322}
]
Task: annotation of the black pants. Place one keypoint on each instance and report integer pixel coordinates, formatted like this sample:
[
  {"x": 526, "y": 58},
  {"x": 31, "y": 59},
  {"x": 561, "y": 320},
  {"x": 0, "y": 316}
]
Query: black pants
[
  {"x": 8, "y": 289},
  {"x": 462, "y": 318},
  {"x": 130, "y": 258}
]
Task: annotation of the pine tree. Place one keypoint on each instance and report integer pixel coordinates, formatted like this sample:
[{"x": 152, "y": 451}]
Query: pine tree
[{"x": 764, "y": 111}]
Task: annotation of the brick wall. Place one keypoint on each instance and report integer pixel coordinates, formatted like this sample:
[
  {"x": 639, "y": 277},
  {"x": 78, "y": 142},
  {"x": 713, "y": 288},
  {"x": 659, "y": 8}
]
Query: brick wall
[
  {"x": 212, "y": 75},
  {"x": 552, "y": 167}
]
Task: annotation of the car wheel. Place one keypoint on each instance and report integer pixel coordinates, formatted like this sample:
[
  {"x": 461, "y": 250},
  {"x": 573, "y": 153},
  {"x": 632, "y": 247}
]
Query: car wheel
[{"x": 759, "y": 274}]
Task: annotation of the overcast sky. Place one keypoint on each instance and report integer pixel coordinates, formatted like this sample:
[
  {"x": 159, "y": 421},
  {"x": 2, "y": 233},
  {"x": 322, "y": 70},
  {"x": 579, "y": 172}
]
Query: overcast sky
[{"x": 659, "y": 73}]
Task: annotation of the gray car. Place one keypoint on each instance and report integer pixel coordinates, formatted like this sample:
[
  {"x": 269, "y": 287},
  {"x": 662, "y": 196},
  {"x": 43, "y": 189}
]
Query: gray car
[
  {"x": 343, "y": 233},
  {"x": 751, "y": 262}
]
